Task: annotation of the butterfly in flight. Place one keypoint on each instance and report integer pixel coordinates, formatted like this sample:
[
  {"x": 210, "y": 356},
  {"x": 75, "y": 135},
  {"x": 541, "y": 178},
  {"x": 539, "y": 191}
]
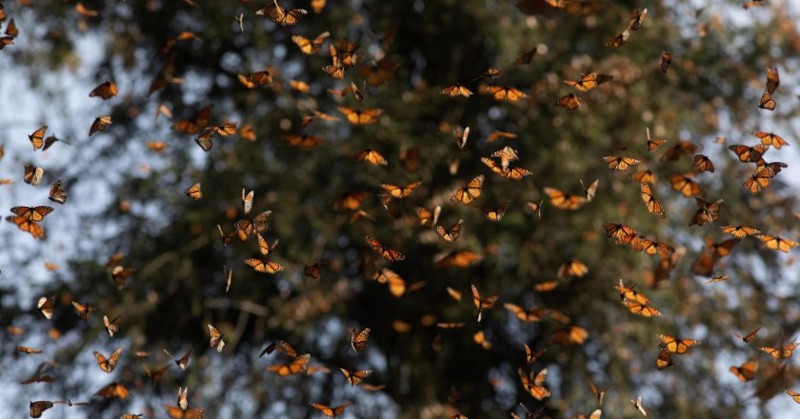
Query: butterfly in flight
[{"x": 281, "y": 16}]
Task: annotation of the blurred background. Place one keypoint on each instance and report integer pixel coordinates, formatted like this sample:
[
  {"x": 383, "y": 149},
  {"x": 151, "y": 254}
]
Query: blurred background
[{"x": 127, "y": 211}]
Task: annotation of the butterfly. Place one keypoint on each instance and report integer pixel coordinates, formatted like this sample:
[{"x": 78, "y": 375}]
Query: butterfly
[
  {"x": 330, "y": 411},
  {"x": 400, "y": 192},
  {"x": 181, "y": 362},
  {"x": 588, "y": 81},
  {"x": 534, "y": 315},
  {"x": 37, "y": 408},
  {"x": 640, "y": 309},
  {"x": 380, "y": 71},
  {"x": 361, "y": 117},
  {"x": 505, "y": 93},
  {"x": 638, "y": 405},
  {"x": 426, "y": 217},
  {"x": 263, "y": 265},
  {"x": 182, "y": 411},
  {"x": 513, "y": 173},
  {"x": 666, "y": 60},
  {"x": 482, "y": 304},
  {"x": 748, "y": 154},
  {"x": 706, "y": 212},
  {"x": 777, "y": 243},
  {"x": 780, "y": 352},
  {"x": 773, "y": 78},
  {"x": 565, "y": 201},
  {"x": 526, "y": 57},
  {"x": 100, "y": 124},
  {"x": 494, "y": 136},
  {"x": 57, "y": 192},
  {"x": 745, "y": 372},
  {"x": 750, "y": 335},
  {"x": 621, "y": 233},
  {"x": 281, "y": 346},
  {"x": 630, "y": 294},
  {"x": 591, "y": 191},
  {"x": 770, "y": 139},
  {"x": 495, "y": 214},
  {"x": 795, "y": 395},
  {"x": 108, "y": 364},
  {"x": 385, "y": 252},
  {"x": 453, "y": 234},
  {"x": 112, "y": 326},
  {"x": 664, "y": 359},
  {"x": 11, "y": 29},
  {"x": 534, "y": 383},
  {"x": 651, "y": 247},
  {"x": 703, "y": 164},
  {"x": 297, "y": 366},
  {"x": 358, "y": 339},
  {"x": 247, "y": 227},
  {"x": 318, "y": 5},
  {"x": 37, "y": 137},
  {"x": 33, "y": 175},
  {"x": 355, "y": 377},
  {"x": 371, "y": 156},
  {"x": 681, "y": 149},
  {"x": 113, "y": 390},
  {"x": 34, "y": 214},
  {"x": 767, "y": 102},
  {"x": 572, "y": 268},
  {"x": 105, "y": 90},
  {"x": 653, "y": 144},
  {"x": 458, "y": 259},
  {"x": 569, "y": 101},
  {"x": 28, "y": 351},
  {"x": 456, "y": 90},
  {"x": 280, "y": 15},
  {"x": 462, "y": 135},
  {"x": 536, "y": 207},
  {"x": 652, "y": 204},
  {"x": 312, "y": 271},
  {"x": 302, "y": 141},
  {"x": 677, "y": 346},
  {"x": 195, "y": 192},
  {"x": 685, "y": 185},
  {"x": 620, "y": 163},
  {"x": 82, "y": 310},
  {"x": 397, "y": 285},
  {"x": 469, "y": 192},
  {"x": 308, "y": 46},
  {"x": 216, "y": 341},
  {"x": 257, "y": 79}
]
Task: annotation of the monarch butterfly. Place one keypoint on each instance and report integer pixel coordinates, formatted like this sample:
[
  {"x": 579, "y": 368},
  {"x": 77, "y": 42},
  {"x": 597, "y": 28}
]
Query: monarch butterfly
[
  {"x": 37, "y": 408},
  {"x": 536, "y": 207},
  {"x": 397, "y": 285},
  {"x": 620, "y": 163},
  {"x": 750, "y": 336},
  {"x": 767, "y": 102},
  {"x": 426, "y": 217},
  {"x": 312, "y": 271},
  {"x": 263, "y": 247},
  {"x": 506, "y": 156},
  {"x": 458, "y": 259},
  {"x": 565, "y": 201},
  {"x": 569, "y": 101},
  {"x": 37, "y": 137},
  {"x": 666, "y": 60},
  {"x": 482, "y": 304},
  {"x": 706, "y": 212},
  {"x": 247, "y": 227},
  {"x": 11, "y": 29},
  {"x": 480, "y": 338},
  {"x": 105, "y": 90},
  {"x": 257, "y": 79},
  {"x": 621, "y": 233},
  {"x": 495, "y": 214},
  {"x": 718, "y": 278},
  {"x": 112, "y": 326},
  {"x": 513, "y": 173},
  {"x": 361, "y": 117},
  {"x": 456, "y": 90},
  {"x": 298, "y": 366},
  {"x": 637, "y": 18},
  {"x": 28, "y": 226},
  {"x": 281, "y": 346},
  {"x": 533, "y": 383},
  {"x": 748, "y": 154},
  {"x": 385, "y": 252},
  {"x": 401, "y": 192},
  {"x": 572, "y": 268},
  {"x": 651, "y": 247},
  {"x": 638, "y": 403},
  {"x": 453, "y": 234},
  {"x": 280, "y": 15},
  {"x": 640, "y": 309},
  {"x": 84, "y": 11},
  {"x": 355, "y": 377},
  {"x": 82, "y": 310},
  {"x": 318, "y": 5},
  {"x": 194, "y": 192},
  {"x": 33, "y": 175},
  {"x": 773, "y": 78},
  {"x": 57, "y": 192},
  {"x": 685, "y": 185},
  {"x": 358, "y": 339},
  {"x": 740, "y": 231},
  {"x": 216, "y": 341},
  {"x": 380, "y": 71},
  {"x": 308, "y": 46},
  {"x": 591, "y": 191},
  {"x": 108, "y": 364},
  {"x": 505, "y": 93},
  {"x": 745, "y": 372},
  {"x": 703, "y": 164},
  {"x": 302, "y": 141},
  {"x": 35, "y": 214},
  {"x": 526, "y": 315},
  {"x": 496, "y": 135},
  {"x": 677, "y": 346},
  {"x": 770, "y": 139},
  {"x": 783, "y": 352},
  {"x": 626, "y": 293},
  {"x": 330, "y": 411},
  {"x": 795, "y": 395},
  {"x": 181, "y": 362},
  {"x": 470, "y": 192},
  {"x": 664, "y": 359},
  {"x": 588, "y": 81},
  {"x": 652, "y": 204},
  {"x": 100, "y": 124},
  {"x": 157, "y": 146},
  {"x": 681, "y": 149},
  {"x": 759, "y": 180},
  {"x": 653, "y": 144},
  {"x": 113, "y": 390},
  {"x": 777, "y": 243},
  {"x": 263, "y": 266},
  {"x": 28, "y": 351}
]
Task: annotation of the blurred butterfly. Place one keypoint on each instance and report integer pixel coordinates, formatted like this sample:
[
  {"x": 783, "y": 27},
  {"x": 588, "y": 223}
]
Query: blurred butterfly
[
  {"x": 299, "y": 86},
  {"x": 100, "y": 124},
  {"x": 536, "y": 207},
  {"x": 82, "y": 310},
  {"x": 530, "y": 316},
  {"x": 330, "y": 411},
  {"x": 795, "y": 395},
  {"x": 379, "y": 72},
  {"x": 182, "y": 411},
  {"x": 588, "y": 81},
  {"x": 355, "y": 377},
  {"x": 37, "y": 137},
  {"x": 534, "y": 383},
  {"x": 358, "y": 339},
  {"x": 640, "y": 309},
  {"x": 11, "y": 29},
  {"x": 770, "y": 139},
  {"x": 247, "y": 227},
  {"x": 312, "y": 271},
  {"x": 280, "y": 15},
  {"x": 401, "y": 192},
  {"x": 664, "y": 359},
  {"x": 630, "y": 294},
  {"x": 495, "y": 214},
  {"x": 653, "y": 144},
  {"x": 308, "y": 46},
  {"x": 482, "y": 304},
  {"x": 685, "y": 185},
  {"x": 572, "y": 268},
  {"x": 453, "y": 234},
  {"x": 565, "y": 201},
  {"x": 181, "y": 362},
  {"x": 37, "y": 408},
  {"x": 651, "y": 247},
  {"x": 426, "y": 217},
  {"x": 703, "y": 164},
  {"x": 783, "y": 352},
  {"x": 297, "y": 366},
  {"x": 105, "y": 90},
  {"x": 108, "y": 364},
  {"x": 706, "y": 212},
  {"x": 257, "y": 79},
  {"x": 194, "y": 192},
  {"x": 526, "y": 57},
  {"x": 773, "y": 78},
  {"x": 113, "y": 390},
  {"x": 302, "y": 141},
  {"x": 462, "y": 135},
  {"x": 638, "y": 403},
  {"x": 777, "y": 243},
  {"x": 505, "y": 93},
  {"x": 112, "y": 326},
  {"x": 652, "y": 204},
  {"x": 281, "y": 346},
  {"x": 621, "y": 233},
  {"x": 569, "y": 101},
  {"x": 33, "y": 175},
  {"x": 458, "y": 259},
  {"x": 718, "y": 278},
  {"x": 513, "y": 173},
  {"x": 361, "y": 117},
  {"x": 745, "y": 372},
  {"x": 216, "y": 341},
  {"x": 666, "y": 60},
  {"x": 767, "y": 102},
  {"x": 385, "y": 252},
  {"x": 397, "y": 285},
  {"x": 28, "y": 351},
  {"x": 456, "y": 90},
  {"x": 57, "y": 192},
  {"x": 677, "y": 346},
  {"x": 318, "y": 5},
  {"x": 469, "y": 192}
]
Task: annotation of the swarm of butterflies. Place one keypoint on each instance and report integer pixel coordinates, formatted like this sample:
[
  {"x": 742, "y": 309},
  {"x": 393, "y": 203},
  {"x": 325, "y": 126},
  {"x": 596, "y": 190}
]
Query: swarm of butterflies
[{"x": 344, "y": 57}]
